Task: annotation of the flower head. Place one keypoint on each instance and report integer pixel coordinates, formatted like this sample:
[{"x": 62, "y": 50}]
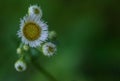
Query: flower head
[
  {"x": 33, "y": 31},
  {"x": 49, "y": 49},
  {"x": 20, "y": 66},
  {"x": 35, "y": 10}
]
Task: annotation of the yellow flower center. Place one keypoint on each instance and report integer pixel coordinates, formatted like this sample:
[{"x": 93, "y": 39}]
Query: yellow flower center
[
  {"x": 36, "y": 11},
  {"x": 31, "y": 31}
]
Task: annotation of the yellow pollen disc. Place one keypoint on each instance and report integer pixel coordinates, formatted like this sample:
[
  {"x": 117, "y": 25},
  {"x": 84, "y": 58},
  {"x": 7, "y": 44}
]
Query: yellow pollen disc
[
  {"x": 36, "y": 11},
  {"x": 31, "y": 31}
]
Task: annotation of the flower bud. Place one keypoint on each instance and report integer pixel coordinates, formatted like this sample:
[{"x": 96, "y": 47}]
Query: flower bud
[
  {"x": 49, "y": 49},
  {"x": 26, "y": 47},
  {"x": 52, "y": 35},
  {"x": 19, "y": 50},
  {"x": 35, "y": 10},
  {"x": 20, "y": 66}
]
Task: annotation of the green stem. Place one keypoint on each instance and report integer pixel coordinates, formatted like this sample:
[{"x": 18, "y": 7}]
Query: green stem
[{"x": 42, "y": 70}]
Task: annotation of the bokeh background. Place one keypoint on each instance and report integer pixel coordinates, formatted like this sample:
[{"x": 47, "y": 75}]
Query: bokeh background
[{"x": 88, "y": 33}]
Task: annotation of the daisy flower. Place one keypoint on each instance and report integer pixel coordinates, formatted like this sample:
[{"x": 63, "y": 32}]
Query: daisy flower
[
  {"x": 32, "y": 31},
  {"x": 35, "y": 10},
  {"x": 49, "y": 49},
  {"x": 20, "y": 66}
]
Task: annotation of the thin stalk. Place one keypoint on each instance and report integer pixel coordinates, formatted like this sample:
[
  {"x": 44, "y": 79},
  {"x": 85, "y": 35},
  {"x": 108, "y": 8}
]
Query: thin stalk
[{"x": 42, "y": 70}]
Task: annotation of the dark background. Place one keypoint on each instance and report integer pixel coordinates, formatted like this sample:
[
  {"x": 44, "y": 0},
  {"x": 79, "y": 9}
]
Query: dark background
[{"x": 88, "y": 33}]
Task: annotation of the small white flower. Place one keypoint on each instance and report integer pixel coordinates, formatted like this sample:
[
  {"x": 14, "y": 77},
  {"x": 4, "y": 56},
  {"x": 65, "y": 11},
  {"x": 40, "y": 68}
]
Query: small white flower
[
  {"x": 49, "y": 49},
  {"x": 35, "y": 10},
  {"x": 33, "y": 31},
  {"x": 20, "y": 66}
]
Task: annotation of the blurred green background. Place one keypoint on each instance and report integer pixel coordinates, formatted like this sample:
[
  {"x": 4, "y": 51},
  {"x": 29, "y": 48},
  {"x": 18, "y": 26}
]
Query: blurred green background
[{"x": 88, "y": 33}]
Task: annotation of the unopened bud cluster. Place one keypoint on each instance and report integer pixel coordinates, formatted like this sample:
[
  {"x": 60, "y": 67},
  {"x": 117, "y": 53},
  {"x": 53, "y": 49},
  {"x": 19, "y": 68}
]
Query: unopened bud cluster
[{"x": 34, "y": 34}]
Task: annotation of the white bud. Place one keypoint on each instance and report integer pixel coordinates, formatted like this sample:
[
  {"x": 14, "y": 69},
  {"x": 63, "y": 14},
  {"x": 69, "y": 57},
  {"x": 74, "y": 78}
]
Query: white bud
[
  {"x": 20, "y": 66},
  {"x": 49, "y": 49},
  {"x": 35, "y": 10}
]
